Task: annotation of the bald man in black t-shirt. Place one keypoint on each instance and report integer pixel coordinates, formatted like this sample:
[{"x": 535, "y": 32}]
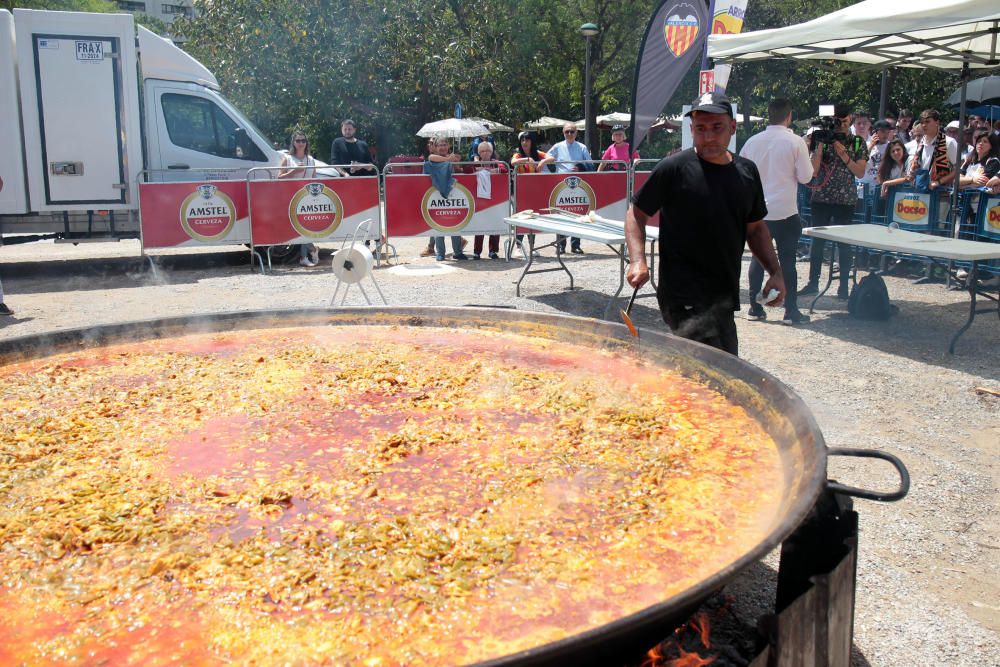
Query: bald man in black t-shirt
[{"x": 711, "y": 204}]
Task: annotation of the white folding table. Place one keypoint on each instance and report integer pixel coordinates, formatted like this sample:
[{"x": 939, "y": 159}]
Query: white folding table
[{"x": 913, "y": 243}]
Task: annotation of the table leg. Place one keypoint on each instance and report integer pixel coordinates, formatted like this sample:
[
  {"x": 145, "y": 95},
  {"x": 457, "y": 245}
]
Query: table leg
[
  {"x": 973, "y": 289},
  {"x": 829, "y": 280},
  {"x": 531, "y": 259},
  {"x": 559, "y": 255}
]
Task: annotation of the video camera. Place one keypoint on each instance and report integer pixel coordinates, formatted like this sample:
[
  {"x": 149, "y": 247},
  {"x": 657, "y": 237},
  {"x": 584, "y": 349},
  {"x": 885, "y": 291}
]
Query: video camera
[{"x": 826, "y": 128}]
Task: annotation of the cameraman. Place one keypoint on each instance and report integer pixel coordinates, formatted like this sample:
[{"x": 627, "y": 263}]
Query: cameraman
[{"x": 838, "y": 158}]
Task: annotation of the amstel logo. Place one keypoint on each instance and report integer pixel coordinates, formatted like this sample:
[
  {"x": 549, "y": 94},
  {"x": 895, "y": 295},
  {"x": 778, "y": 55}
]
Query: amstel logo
[
  {"x": 680, "y": 28},
  {"x": 911, "y": 210},
  {"x": 315, "y": 211},
  {"x": 575, "y": 195},
  {"x": 207, "y": 214},
  {"x": 448, "y": 214}
]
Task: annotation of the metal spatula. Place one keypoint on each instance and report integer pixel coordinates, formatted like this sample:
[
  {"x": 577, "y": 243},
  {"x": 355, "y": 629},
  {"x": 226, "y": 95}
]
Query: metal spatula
[{"x": 628, "y": 320}]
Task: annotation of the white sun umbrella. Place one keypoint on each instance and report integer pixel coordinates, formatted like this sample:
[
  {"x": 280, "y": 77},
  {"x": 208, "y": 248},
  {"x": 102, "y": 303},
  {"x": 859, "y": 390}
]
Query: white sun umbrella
[
  {"x": 492, "y": 125},
  {"x": 451, "y": 128},
  {"x": 546, "y": 123},
  {"x": 607, "y": 121},
  {"x": 679, "y": 118}
]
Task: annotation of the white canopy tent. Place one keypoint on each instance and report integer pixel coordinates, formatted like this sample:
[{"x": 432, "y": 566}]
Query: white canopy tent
[
  {"x": 938, "y": 34},
  {"x": 876, "y": 34}
]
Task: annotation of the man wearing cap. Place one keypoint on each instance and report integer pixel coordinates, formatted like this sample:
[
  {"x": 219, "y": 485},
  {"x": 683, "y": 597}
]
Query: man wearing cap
[
  {"x": 618, "y": 150},
  {"x": 782, "y": 158},
  {"x": 711, "y": 205},
  {"x": 952, "y": 131}
]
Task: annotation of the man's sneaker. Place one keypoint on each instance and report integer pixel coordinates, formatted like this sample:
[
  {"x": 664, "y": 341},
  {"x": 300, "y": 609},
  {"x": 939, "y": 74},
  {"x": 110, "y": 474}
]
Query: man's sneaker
[
  {"x": 757, "y": 312},
  {"x": 4, "y": 309},
  {"x": 577, "y": 250},
  {"x": 795, "y": 317},
  {"x": 440, "y": 258},
  {"x": 493, "y": 255},
  {"x": 460, "y": 256},
  {"x": 305, "y": 261},
  {"x": 810, "y": 289},
  {"x": 476, "y": 255}
]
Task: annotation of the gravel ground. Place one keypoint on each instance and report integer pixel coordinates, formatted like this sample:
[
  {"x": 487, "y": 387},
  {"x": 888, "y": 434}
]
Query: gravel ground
[{"x": 929, "y": 570}]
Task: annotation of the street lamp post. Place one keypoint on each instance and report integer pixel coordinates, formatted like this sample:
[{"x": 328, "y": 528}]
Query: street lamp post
[{"x": 588, "y": 30}]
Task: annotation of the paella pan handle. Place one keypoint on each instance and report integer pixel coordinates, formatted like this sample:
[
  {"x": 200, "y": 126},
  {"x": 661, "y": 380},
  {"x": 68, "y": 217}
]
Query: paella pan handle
[{"x": 904, "y": 475}]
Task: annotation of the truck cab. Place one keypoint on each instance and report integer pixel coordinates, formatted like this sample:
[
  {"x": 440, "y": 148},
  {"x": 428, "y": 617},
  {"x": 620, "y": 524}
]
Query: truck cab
[{"x": 100, "y": 106}]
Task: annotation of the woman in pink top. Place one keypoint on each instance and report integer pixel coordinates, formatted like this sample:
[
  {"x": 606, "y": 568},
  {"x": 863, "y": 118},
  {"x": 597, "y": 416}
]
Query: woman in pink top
[{"x": 617, "y": 151}]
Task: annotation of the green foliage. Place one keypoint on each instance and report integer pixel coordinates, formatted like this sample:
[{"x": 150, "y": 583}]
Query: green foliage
[{"x": 394, "y": 66}]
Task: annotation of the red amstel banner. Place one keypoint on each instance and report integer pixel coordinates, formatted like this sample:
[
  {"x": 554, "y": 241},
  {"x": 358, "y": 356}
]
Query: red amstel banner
[
  {"x": 605, "y": 192},
  {"x": 173, "y": 215},
  {"x": 639, "y": 179},
  {"x": 311, "y": 210},
  {"x": 414, "y": 207}
]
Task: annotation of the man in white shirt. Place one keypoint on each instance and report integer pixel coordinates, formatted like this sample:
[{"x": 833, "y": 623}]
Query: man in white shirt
[
  {"x": 782, "y": 158},
  {"x": 570, "y": 155}
]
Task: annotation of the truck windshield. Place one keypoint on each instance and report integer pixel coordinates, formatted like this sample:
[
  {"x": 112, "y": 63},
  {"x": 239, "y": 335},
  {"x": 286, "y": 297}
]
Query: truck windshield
[{"x": 199, "y": 124}]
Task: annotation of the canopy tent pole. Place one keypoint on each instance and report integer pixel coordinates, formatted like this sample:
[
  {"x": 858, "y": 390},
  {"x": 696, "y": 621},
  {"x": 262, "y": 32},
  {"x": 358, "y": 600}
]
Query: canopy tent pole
[
  {"x": 955, "y": 187},
  {"x": 883, "y": 93}
]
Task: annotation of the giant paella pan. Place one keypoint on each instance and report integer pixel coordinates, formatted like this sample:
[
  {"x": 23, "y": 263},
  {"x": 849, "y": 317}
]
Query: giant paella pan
[{"x": 382, "y": 487}]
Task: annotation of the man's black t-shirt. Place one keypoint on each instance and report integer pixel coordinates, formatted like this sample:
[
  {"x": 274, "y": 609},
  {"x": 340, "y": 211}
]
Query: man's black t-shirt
[
  {"x": 345, "y": 152},
  {"x": 704, "y": 212}
]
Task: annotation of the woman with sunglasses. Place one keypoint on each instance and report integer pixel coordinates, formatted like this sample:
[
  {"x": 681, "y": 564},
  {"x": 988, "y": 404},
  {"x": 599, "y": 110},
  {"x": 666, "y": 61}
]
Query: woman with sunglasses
[
  {"x": 529, "y": 159},
  {"x": 298, "y": 163}
]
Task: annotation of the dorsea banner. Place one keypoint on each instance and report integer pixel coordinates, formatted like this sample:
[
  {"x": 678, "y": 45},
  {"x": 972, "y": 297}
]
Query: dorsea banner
[
  {"x": 912, "y": 210},
  {"x": 673, "y": 42},
  {"x": 727, "y": 20},
  {"x": 605, "y": 192},
  {"x": 414, "y": 207},
  {"x": 990, "y": 212},
  {"x": 174, "y": 215},
  {"x": 312, "y": 210}
]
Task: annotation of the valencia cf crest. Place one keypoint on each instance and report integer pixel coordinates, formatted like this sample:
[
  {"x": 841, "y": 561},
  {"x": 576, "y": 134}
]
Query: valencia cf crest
[{"x": 680, "y": 28}]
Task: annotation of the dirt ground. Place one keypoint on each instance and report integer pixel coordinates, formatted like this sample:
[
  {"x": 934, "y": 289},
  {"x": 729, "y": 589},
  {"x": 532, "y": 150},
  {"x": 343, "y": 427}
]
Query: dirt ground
[{"x": 929, "y": 569}]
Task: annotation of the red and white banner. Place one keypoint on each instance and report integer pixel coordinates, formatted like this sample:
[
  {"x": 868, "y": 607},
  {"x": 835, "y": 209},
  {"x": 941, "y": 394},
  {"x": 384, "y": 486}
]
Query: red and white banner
[
  {"x": 414, "y": 207},
  {"x": 312, "y": 210},
  {"x": 175, "y": 215},
  {"x": 605, "y": 192},
  {"x": 639, "y": 179}
]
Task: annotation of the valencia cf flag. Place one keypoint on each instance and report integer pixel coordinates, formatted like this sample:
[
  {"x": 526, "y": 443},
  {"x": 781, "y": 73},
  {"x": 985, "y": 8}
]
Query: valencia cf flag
[{"x": 673, "y": 41}]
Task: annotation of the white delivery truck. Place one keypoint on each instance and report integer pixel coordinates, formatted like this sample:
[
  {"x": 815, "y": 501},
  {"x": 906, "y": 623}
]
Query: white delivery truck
[{"x": 87, "y": 104}]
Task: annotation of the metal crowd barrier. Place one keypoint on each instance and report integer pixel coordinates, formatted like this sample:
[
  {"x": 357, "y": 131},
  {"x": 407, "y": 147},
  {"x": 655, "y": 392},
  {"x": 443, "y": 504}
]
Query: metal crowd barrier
[{"x": 321, "y": 207}]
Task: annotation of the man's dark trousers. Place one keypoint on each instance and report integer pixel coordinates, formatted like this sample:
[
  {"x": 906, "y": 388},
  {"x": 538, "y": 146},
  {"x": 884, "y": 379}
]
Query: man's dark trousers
[
  {"x": 786, "y": 235},
  {"x": 831, "y": 214},
  {"x": 712, "y": 325}
]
